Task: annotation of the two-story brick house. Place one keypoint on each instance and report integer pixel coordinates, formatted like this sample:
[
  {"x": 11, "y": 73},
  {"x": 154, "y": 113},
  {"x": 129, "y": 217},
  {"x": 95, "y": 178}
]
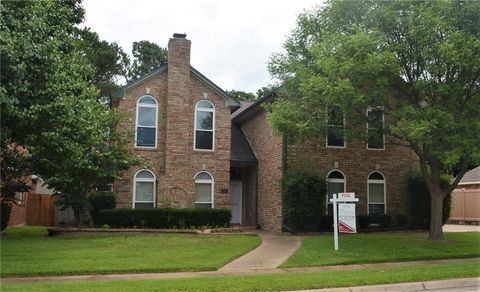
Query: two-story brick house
[{"x": 203, "y": 150}]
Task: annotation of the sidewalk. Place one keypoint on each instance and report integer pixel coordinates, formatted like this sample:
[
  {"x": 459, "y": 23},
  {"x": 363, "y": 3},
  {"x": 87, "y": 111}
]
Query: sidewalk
[
  {"x": 451, "y": 285},
  {"x": 230, "y": 273}
]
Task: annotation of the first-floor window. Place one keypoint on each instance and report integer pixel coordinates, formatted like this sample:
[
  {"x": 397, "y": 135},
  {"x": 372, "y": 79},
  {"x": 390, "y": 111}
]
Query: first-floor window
[
  {"x": 203, "y": 190},
  {"x": 376, "y": 196},
  {"x": 335, "y": 185},
  {"x": 144, "y": 190}
]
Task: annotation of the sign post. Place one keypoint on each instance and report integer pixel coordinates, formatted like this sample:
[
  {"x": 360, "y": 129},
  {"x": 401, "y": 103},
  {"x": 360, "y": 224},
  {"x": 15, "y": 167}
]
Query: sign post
[{"x": 347, "y": 214}]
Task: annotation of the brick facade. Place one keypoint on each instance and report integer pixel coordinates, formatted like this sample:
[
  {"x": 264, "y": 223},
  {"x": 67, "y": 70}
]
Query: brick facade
[
  {"x": 268, "y": 149},
  {"x": 174, "y": 161}
]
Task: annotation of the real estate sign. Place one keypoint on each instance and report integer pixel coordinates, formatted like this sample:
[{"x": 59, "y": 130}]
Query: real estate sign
[{"x": 346, "y": 218}]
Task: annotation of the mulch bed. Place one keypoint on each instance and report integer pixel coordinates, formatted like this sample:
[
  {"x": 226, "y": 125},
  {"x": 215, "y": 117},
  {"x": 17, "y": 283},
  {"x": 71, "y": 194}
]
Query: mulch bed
[{"x": 75, "y": 231}]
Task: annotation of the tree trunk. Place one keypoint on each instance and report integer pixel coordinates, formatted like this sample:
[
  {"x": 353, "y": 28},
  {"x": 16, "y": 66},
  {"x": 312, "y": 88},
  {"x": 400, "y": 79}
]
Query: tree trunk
[
  {"x": 77, "y": 213},
  {"x": 436, "y": 212}
]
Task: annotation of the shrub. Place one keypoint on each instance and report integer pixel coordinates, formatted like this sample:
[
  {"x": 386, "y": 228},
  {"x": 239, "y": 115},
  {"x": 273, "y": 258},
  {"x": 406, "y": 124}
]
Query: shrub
[
  {"x": 165, "y": 218},
  {"x": 364, "y": 221},
  {"x": 385, "y": 220},
  {"x": 400, "y": 220},
  {"x": 303, "y": 200},
  {"x": 326, "y": 222},
  {"x": 6, "y": 208},
  {"x": 100, "y": 201},
  {"x": 419, "y": 202}
]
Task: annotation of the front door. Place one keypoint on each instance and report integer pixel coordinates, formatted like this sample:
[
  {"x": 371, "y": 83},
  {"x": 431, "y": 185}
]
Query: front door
[{"x": 236, "y": 201}]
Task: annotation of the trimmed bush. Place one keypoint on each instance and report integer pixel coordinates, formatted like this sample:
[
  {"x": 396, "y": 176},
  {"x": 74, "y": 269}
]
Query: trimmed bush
[
  {"x": 419, "y": 202},
  {"x": 303, "y": 200},
  {"x": 385, "y": 221},
  {"x": 400, "y": 220},
  {"x": 364, "y": 221},
  {"x": 100, "y": 201},
  {"x": 326, "y": 222},
  {"x": 164, "y": 218},
  {"x": 6, "y": 208}
]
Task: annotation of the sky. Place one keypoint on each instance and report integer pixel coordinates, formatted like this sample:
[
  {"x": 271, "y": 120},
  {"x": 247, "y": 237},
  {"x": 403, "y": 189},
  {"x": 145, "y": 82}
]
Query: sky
[{"x": 232, "y": 41}]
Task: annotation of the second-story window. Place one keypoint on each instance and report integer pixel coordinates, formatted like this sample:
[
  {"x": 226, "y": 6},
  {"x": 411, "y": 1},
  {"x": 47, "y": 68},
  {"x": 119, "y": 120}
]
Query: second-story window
[
  {"x": 335, "y": 127},
  {"x": 375, "y": 118},
  {"x": 204, "y": 126},
  {"x": 146, "y": 122}
]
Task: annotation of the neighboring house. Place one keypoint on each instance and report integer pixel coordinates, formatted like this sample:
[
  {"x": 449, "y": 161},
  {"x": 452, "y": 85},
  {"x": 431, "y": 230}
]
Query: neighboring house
[
  {"x": 466, "y": 198},
  {"x": 205, "y": 150}
]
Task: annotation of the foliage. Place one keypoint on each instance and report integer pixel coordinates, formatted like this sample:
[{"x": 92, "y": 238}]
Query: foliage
[
  {"x": 165, "y": 218},
  {"x": 48, "y": 102},
  {"x": 400, "y": 220},
  {"x": 419, "y": 202},
  {"x": 386, "y": 220},
  {"x": 415, "y": 60},
  {"x": 6, "y": 208},
  {"x": 382, "y": 248},
  {"x": 364, "y": 220},
  {"x": 147, "y": 56},
  {"x": 100, "y": 201},
  {"x": 15, "y": 163},
  {"x": 326, "y": 222},
  {"x": 241, "y": 95},
  {"x": 26, "y": 252},
  {"x": 303, "y": 195}
]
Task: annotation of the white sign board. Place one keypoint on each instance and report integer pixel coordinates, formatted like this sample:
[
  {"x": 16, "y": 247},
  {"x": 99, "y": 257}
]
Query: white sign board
[
  {"x": 341, "y": 198},
  {"x": 346, "y": 218},
  {"x": 347, "y": 197}
]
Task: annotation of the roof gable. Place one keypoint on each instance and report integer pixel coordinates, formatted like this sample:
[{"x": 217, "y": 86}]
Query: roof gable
[{"x": 120, "y": 93}]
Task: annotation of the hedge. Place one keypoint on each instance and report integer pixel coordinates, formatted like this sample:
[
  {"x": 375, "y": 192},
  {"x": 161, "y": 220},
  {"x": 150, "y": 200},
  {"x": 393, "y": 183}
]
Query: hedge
[
  {"x": 100, "y": 201},
  {"x": 164, "y": 218},
  {"x": 303, "y": 200}
]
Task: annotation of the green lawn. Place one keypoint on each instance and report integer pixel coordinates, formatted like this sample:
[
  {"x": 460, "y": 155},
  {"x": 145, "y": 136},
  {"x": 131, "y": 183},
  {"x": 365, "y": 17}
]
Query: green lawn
[
  {"x": 26, "y": 251},
  {"x": 383, "y": 247},
  {"x": 277, "y": 282}
]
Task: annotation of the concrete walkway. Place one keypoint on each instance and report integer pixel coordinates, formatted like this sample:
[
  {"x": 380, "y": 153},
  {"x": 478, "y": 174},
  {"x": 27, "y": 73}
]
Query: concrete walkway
[
  {"x": 460, "y": 228},
  {"x": 231, "y": 272},
  {"x": 274, "y": 250},
  {"x": 451, "y": 285}
]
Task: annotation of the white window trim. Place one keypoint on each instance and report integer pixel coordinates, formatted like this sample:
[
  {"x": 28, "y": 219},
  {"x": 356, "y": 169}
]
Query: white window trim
[
  {"x": 206, "y": 181},
  {"x": 377, "y": 181},
  {"x": 326, "y": 134},
  {"x": 135, "y": 180},
  {"x": 383, "y": 127},
  {"x": 336, "y": 180},
  {"x": 212, "y": 110},
  {"x": 156, "y": 121}
]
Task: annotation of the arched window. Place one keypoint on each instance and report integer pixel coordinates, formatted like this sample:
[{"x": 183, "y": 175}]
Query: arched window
[
  {"x": 203, "y": 190},
  {"x": 376, "y": 196},
  {"x": 144, "y": 190},
  {"x": 336, "y": 183},
  {"x": 204, "y": 126},
  {"x": 146, "y": 122}
]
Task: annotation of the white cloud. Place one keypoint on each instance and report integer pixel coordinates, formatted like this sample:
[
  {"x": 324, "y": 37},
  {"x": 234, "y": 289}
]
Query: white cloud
[{"x": 232, "y": 41}]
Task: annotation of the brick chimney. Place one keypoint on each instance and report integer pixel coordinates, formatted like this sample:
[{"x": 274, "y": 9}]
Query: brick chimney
[{"x": 179, "y": 113}]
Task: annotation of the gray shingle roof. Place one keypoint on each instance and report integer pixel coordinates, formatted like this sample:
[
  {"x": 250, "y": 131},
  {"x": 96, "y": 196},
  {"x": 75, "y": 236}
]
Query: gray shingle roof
[{"x": 472, "y": 176}]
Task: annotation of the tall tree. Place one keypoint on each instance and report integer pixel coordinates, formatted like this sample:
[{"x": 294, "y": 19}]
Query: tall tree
[
  {"x": 241, "y": 95},
  {"x": 48, "y": 103},
  {"x": 418, "y": 61},
  {"x": 147, "y": 56}
]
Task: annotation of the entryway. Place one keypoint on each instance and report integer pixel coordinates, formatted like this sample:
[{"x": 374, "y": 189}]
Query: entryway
[{"x": 236, "y": 201}]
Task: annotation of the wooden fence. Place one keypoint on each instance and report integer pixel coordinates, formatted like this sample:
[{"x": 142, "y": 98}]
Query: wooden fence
[
  {"x": 40, "y": 210},
  {"x": 465, "y": 205}
]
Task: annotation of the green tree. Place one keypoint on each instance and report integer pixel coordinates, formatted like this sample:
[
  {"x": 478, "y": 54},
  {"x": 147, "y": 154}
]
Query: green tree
[
  {"x": 147, "y": 56},
  {"x": 418, "y": 61},
  {"x": 241, "y": 95},
  {"x": 48, "y": 103},
  {"x": 107, "y": 60}
]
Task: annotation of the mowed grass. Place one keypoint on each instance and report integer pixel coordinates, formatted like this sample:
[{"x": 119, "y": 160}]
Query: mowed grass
[
  {"x": 277, "y": 282},
  {"x": 383, "y": 247},
  {"x": 27, "y": 251}
]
